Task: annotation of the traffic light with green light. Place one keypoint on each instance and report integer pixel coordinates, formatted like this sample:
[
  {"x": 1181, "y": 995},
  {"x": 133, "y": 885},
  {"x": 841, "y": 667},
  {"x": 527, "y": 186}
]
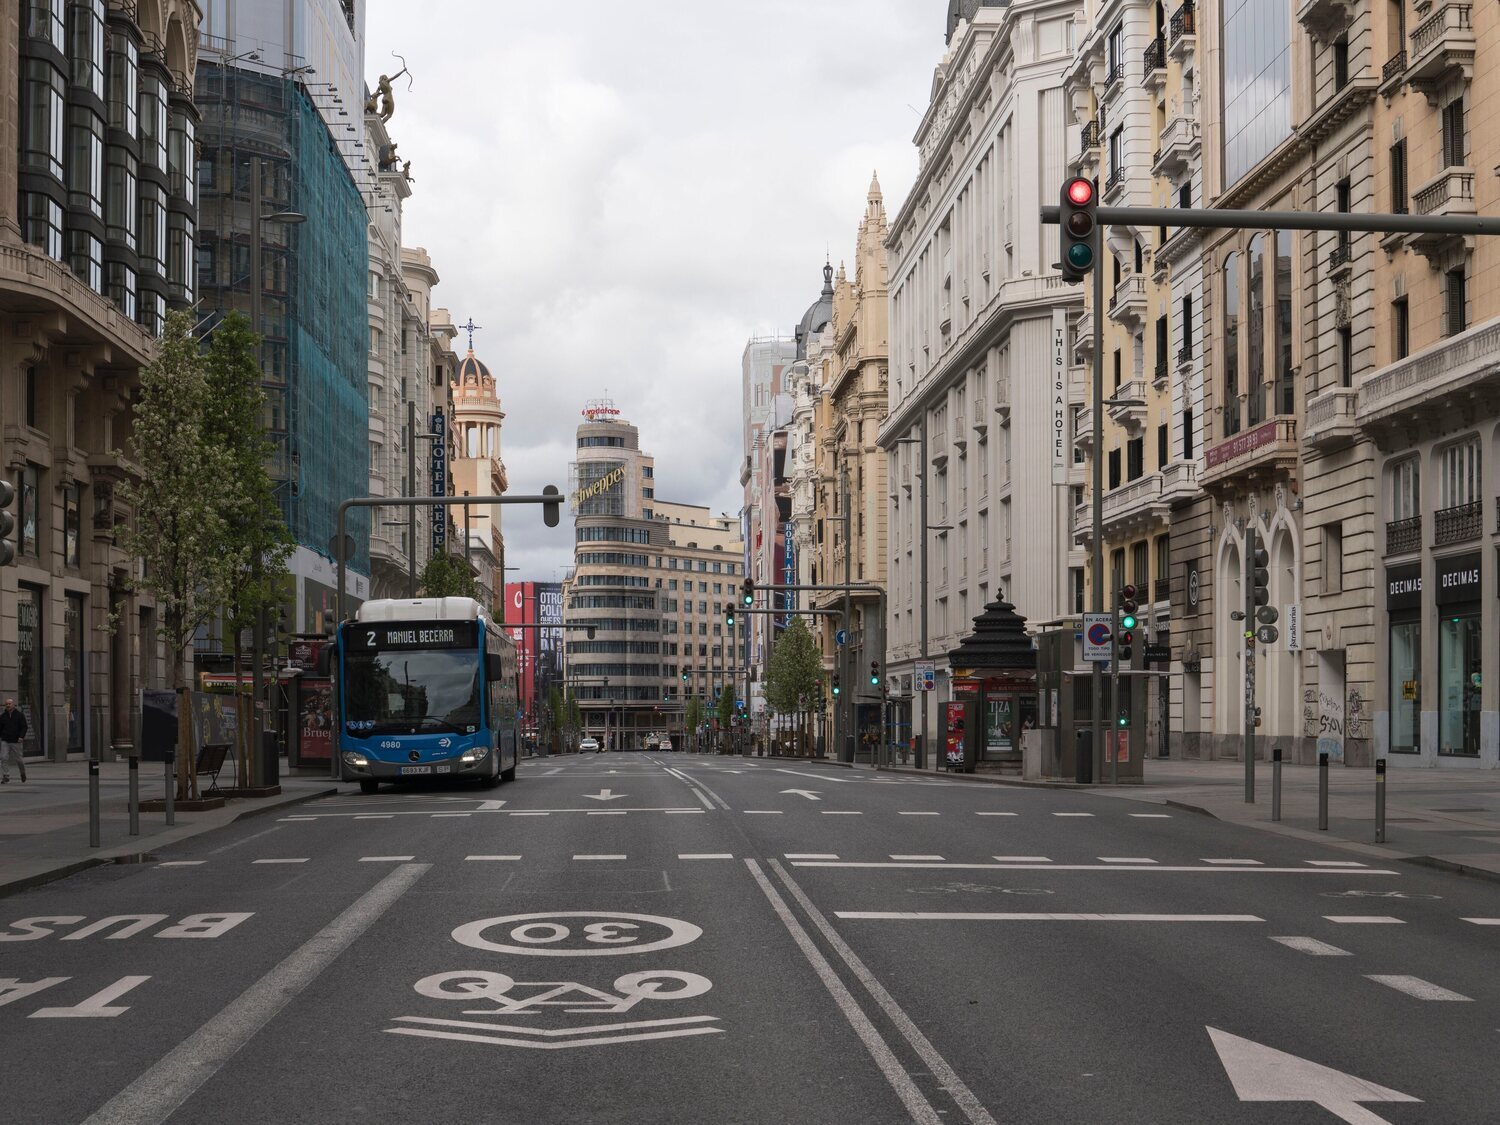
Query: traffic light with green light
[
  {"x": 729, "y": 614},
  {"x": 875, "y": 673},
  {"x": 747, "y": 592},
  {"x": 836, "y": 689},
  {"x": 1125, "y": 634}
]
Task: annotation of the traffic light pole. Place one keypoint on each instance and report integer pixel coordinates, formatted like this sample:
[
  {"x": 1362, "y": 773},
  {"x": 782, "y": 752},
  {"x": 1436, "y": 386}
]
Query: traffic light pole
[
  {"x": 1248, "y": 579},
  {"x": 1084, "y": 767}
]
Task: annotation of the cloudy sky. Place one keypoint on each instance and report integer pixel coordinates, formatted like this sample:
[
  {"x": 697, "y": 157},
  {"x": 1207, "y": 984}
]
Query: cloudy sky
[{"x": 621, "y": 194}]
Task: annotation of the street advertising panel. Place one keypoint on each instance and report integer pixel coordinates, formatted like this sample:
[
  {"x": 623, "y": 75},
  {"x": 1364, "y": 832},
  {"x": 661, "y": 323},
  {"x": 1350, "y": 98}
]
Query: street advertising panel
[
  {"x": 953, "y": 733},
  {"x": 314, "y": 719}
]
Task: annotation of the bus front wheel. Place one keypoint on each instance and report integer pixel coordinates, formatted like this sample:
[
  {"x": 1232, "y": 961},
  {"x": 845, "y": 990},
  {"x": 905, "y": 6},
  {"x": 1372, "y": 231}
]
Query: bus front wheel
[
  {"x": 368, "y": 785},
  {"x": 508, "y": 775}
]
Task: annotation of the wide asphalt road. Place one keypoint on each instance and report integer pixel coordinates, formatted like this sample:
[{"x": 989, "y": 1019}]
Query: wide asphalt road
[{"x": 670, "y": 938}]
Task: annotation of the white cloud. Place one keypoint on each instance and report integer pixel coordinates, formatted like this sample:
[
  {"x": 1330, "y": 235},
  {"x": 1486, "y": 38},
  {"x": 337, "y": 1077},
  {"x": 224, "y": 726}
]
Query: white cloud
[{"x": 622, "y": 194}]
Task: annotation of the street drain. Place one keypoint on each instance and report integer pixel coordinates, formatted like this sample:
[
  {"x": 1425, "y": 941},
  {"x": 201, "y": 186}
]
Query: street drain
[{"x": 121, "y": 859}]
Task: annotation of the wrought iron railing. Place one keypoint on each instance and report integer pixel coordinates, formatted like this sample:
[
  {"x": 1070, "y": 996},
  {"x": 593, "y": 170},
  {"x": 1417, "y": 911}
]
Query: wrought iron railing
[
  {"x": 1155, "y": 58},
  {"x": 1185, "y": 353},
  {"x": 1457, "y": 524},
  {"x": 1116, "y": 177},
  {"x": 1338, "y": 257},
  {"x": 1394, "y": 66},
  {"x": 1090, "y": 135},
  {"x": 1403, "y": 536},
  {"x": 1184, "y": 22},
  {"x": 1161, "y": 590},
  {"x": 1116, "y": 73}
]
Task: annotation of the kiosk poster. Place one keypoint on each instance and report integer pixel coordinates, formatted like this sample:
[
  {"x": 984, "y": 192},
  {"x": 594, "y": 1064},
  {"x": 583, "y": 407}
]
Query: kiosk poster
[
  {"x": 315, "y": 721},
  {"x": 953, "y": 744}
]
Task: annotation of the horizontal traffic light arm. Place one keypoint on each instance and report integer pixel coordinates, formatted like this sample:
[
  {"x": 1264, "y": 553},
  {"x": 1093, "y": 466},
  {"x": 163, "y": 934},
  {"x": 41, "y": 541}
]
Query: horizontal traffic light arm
[
  {"x": 1211, "y": 218},
  {"x": 791, "y": 612}
]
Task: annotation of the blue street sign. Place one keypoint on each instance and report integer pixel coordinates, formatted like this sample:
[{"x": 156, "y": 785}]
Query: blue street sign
[{"x": 842, "y": 637}]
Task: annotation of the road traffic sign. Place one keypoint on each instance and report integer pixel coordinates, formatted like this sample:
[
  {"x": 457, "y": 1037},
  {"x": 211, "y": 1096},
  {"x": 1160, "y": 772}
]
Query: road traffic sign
[
  {"x": 842, "y": 637},
  {"x": 1098, "y": 632}
]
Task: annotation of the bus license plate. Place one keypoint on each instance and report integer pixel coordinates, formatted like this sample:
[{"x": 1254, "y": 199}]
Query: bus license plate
[{"x": 405, "y": 770}]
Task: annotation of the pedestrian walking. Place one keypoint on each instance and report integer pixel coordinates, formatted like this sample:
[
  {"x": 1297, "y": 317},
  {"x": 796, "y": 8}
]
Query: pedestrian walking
[{"x": 12, "y": 731}]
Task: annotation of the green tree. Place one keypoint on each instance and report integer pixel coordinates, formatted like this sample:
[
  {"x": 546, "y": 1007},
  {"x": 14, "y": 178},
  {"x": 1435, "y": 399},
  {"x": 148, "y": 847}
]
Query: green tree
[
  {"x": 255, "y": 533},
  {"x": 447, "y": 576},
  {"x": 794, "y": 672},
  {"x": 180, "y": 495},
  {"x": 725, "y": 710},
  {"x": 555, "y": 716}
]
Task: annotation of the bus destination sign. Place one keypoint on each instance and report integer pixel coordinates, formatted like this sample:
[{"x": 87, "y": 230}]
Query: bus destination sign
[{"x": 413, "y": 634}]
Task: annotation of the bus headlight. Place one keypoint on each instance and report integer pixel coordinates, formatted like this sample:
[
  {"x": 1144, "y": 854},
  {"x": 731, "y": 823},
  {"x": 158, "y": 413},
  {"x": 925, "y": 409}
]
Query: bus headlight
[
  {"x": 473, "y": 754},
  {"x": 355, "y": 761}
]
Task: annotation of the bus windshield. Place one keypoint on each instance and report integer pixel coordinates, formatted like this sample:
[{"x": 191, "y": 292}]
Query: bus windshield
[{"x": 412, "y": 691}]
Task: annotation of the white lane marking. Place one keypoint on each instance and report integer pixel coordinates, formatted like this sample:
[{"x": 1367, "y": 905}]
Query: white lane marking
[
  {"x": 490, "y": 806},
  {"x": 1152, "y": 815},
  {"x": 842, "y": 812},
  {"x": 1312, "y": 946},
  {"x": 157, "y": 1093},
  {"x": 917, "y": 1106},
  {"x": 374, "y": 816},
  {"x": 680, "y": 812},
  {"x": 1032, "y": 863},
  {"x": 303, "y": 860},
  {"x": 1416, "y": 986},
  {"x": 704, "y": 855},
  {"x": 474, "y": 858},
  {"x": 694, "y": 784},
  {"x": 1235, "y": 862},
  {"x": 531, "y": 813},
  {"x": 386, "y": 858},
  {"x": 608, "y": 812},
  {"x": 289, "y": 819},
  {"x": 944, "y": 916},
  {"x": 918, "y": 814},
  {"x": 1363, "y": 919},
  {"x": 996, "y": 814},
  {"x": 829, "y": 777},
  {"x": 702, "y": 797},
  {"x": 1072, "y": 814},
  {"x": 1483, "y": 921},
  {"x": 182, "y": 863},
  {"x": 598, "y": 857},
  {"x": 677, "y": 1030},
  {"x": 809, "y": 855},
  {"x": 947, "y": 1077},
  {"x": 763, "y": 812},
  {"x": 912, "y": 858},
  {"x": 1123, "y": 859},
  {"x": 438, "y": 814},
  {"x": 1335, "y": 863},
  {"x": 1021, "y": 859}
]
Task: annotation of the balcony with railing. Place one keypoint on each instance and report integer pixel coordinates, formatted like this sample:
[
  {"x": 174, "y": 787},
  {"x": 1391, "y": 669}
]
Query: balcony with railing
[
  {"x": 1154, "y": 61},
  {"x": 1402, "y": 537},
  {"x": 1184, "y": 356},
  {"x": 1458, "y": 524},
  {"x": 1452, "y": 372},
  {"x": 1089, "y": 135},
  {"x": 1114, "y": 80},
  {"x": 1442, "y": 47},
  {"x": 1331, "y": 418},
  {"x": 980, "y": 416},
  {"x": 1179, "y": 482},
  {"x": 1115, "y": 180},
  {"x": 1393, "y": 73},
  {"x": 1130, "y": 507},
  {"x": 1324, "y": 18},
  {"x": 1002, "y": 398},
  {"x": 1128, "y": 306},
  {"x": 1259, "y": 452},
  {"x": 1083, "y": 437},
  {"x": 1340, "y": 257},
  {"x": 1127, "y": 407},
  {"x": 1083, "y": 345},
  {"x": 1180, "y": 141},
  {"x": 1161, "y": 590},
  {"x": 1182, "y": 31}
]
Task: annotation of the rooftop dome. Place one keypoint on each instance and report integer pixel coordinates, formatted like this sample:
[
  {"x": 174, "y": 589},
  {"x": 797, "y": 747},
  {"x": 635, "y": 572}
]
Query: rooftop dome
[
  {"x": 473, "y": 373},
  {"x": 818, "y": 314}
]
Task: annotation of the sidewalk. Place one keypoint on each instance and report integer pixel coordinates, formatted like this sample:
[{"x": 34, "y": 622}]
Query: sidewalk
[
  {"x": 1442, "y": 818},
  {"x": 44, "y": 824}
]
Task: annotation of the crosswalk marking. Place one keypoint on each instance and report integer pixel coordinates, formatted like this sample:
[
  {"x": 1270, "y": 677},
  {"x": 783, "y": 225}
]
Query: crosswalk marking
[
  {"x": 1363, "y": 919},
  {"x": 494, "y": 858},
  {"x": 302, "y": 860},
  {"x": 1416, "y": 986},
  {"x": 1312, "y": 946},
  {"x": 386, "y": 858}
]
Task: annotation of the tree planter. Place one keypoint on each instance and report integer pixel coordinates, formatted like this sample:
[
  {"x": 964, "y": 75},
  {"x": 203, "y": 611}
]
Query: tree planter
[
  {"x": 250, "y": 790},
  {"x": 202, "y": 804}
]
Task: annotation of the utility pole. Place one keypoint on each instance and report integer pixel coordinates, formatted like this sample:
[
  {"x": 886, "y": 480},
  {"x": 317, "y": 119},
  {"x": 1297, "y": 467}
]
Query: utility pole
[
  {"x": 1084, "y": 767},
  {"x": 849, "y": 735},
  {"x": 1247, "y": 570},
  {"x": 922, "y": 593},
  {"x": 411, "y": 490}
]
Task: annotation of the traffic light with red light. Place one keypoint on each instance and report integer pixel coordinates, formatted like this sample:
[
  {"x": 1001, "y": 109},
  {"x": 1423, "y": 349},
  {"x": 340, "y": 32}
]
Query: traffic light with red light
[{"x": 1078, "y": 222}]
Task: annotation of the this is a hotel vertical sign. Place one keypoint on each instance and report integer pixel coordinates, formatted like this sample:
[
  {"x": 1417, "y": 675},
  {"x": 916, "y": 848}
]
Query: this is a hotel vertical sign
[{"x": 1061, "y": 439}]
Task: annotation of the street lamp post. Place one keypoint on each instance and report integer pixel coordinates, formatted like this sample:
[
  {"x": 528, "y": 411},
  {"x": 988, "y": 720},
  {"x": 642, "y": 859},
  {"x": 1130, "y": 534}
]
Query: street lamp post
[{"x": 922, "y": 581}]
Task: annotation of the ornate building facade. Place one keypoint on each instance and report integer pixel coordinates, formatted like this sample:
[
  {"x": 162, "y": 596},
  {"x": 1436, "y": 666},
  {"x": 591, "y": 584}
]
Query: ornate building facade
[{"x": 479, "y": 470}]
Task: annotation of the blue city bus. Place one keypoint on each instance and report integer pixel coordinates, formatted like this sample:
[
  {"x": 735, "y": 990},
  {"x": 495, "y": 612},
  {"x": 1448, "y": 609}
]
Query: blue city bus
[{"x": 426, "y": 688}]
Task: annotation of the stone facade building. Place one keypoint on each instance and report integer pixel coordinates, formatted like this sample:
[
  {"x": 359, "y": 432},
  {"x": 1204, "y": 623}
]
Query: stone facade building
[
  {"x": 98, "y": 208},
  {"x": 479, "y": 470}
]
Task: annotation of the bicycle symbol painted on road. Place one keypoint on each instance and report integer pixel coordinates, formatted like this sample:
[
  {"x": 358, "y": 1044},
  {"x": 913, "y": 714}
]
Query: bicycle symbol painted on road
[{"x": 510, "y": 996}]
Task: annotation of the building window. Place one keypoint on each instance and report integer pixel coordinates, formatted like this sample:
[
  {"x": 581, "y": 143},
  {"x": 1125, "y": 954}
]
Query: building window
[
  {"x": 1341, "y": 62},
  {"x": 1406, "y": 489},
  {"x": 1460, "y": 646},
  {"x": 1114, "y": 469},
  {"x": 1255, "y": 332},
  {"x": 1401, "y": 328},
  {"x": 1257, "y": 82},
  {"x": 1117, "y": 369},
  {"x": 1459, "y": 474},
  {"x": 1163, "y": 445},
  {"x": 1455, "y": 144},
  {"x": 1231, "y": 345},
  {"x": 31, "y": 414},
  {"x": 1333, "y": 558},
  {"x": 27, "y": 511},
  {"x": 43, "y": 219},
  {"x": 1346, "y": 356},
  {"x": 42, "y": 123},
  {"x": 1341, "y": 197},
  {"x": 1075, "y": 586},
  {"x": 1187, "y": 434},
  {"x": 1187, "y": 328},
  {"x": 1406, "y": 685},
  {"x": 1163, "y": 345},
  {"x": 72, "y": 523},
  {"x": 1455, "y": 302},
  {"x": 1135, "y": 458},
  {"x": 1398, "y": 177},
  {"x": 86, "y": 44},
  {"x": 1283, "y": 393}
]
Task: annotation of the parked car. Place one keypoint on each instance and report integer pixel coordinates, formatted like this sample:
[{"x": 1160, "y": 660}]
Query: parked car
[{"x": 588, "y": 745}]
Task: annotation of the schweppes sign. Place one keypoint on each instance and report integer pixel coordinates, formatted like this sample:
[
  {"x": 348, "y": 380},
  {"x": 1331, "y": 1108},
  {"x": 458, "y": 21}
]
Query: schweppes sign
[{"x": 599, "y": 487}]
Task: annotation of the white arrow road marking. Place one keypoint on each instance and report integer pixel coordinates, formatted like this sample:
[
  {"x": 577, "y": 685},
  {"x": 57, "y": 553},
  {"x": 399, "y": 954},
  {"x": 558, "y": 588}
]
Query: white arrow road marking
[
  {"x": 604, "y": 795},
  {"x": 1264, "y": 1074},
  {"x": 808, "y": 793}
]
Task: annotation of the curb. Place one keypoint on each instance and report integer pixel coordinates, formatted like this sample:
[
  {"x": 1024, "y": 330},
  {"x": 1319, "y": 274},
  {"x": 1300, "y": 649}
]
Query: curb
[
  {"x": 985, "y": 779},
  {"x": 1185, "y": 807},
  {"x": 1448, "y": 865},
  {"x": 41, "y": 878}
]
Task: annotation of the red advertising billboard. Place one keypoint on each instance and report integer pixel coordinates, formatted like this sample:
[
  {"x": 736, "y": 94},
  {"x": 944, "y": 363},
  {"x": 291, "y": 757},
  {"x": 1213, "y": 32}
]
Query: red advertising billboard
[{"x": 538, "y": 607}]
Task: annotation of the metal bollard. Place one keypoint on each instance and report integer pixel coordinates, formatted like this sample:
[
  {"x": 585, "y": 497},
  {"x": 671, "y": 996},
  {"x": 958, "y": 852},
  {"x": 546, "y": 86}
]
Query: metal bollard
[
  {"x": 171, "y": 793},
  {"x": 93, "y": 802},
  {"x": 1323, "y": 792},
  {"x": 135, "y": 795},
  {"x": 1380, "y": 800},
  {"x": 1276, "y": 783}
]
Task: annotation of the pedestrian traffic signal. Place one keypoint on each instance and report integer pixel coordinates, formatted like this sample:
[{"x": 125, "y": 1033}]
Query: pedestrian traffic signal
[
  {"x": 835, "y": 683},
  {"x": 875, "y": 673},
  {"x": 7, "y": 523},
  {"x": 1078, "y": 222},
  {"x": 729, "y": 614},
  {"x": 747, "y": 592}
]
